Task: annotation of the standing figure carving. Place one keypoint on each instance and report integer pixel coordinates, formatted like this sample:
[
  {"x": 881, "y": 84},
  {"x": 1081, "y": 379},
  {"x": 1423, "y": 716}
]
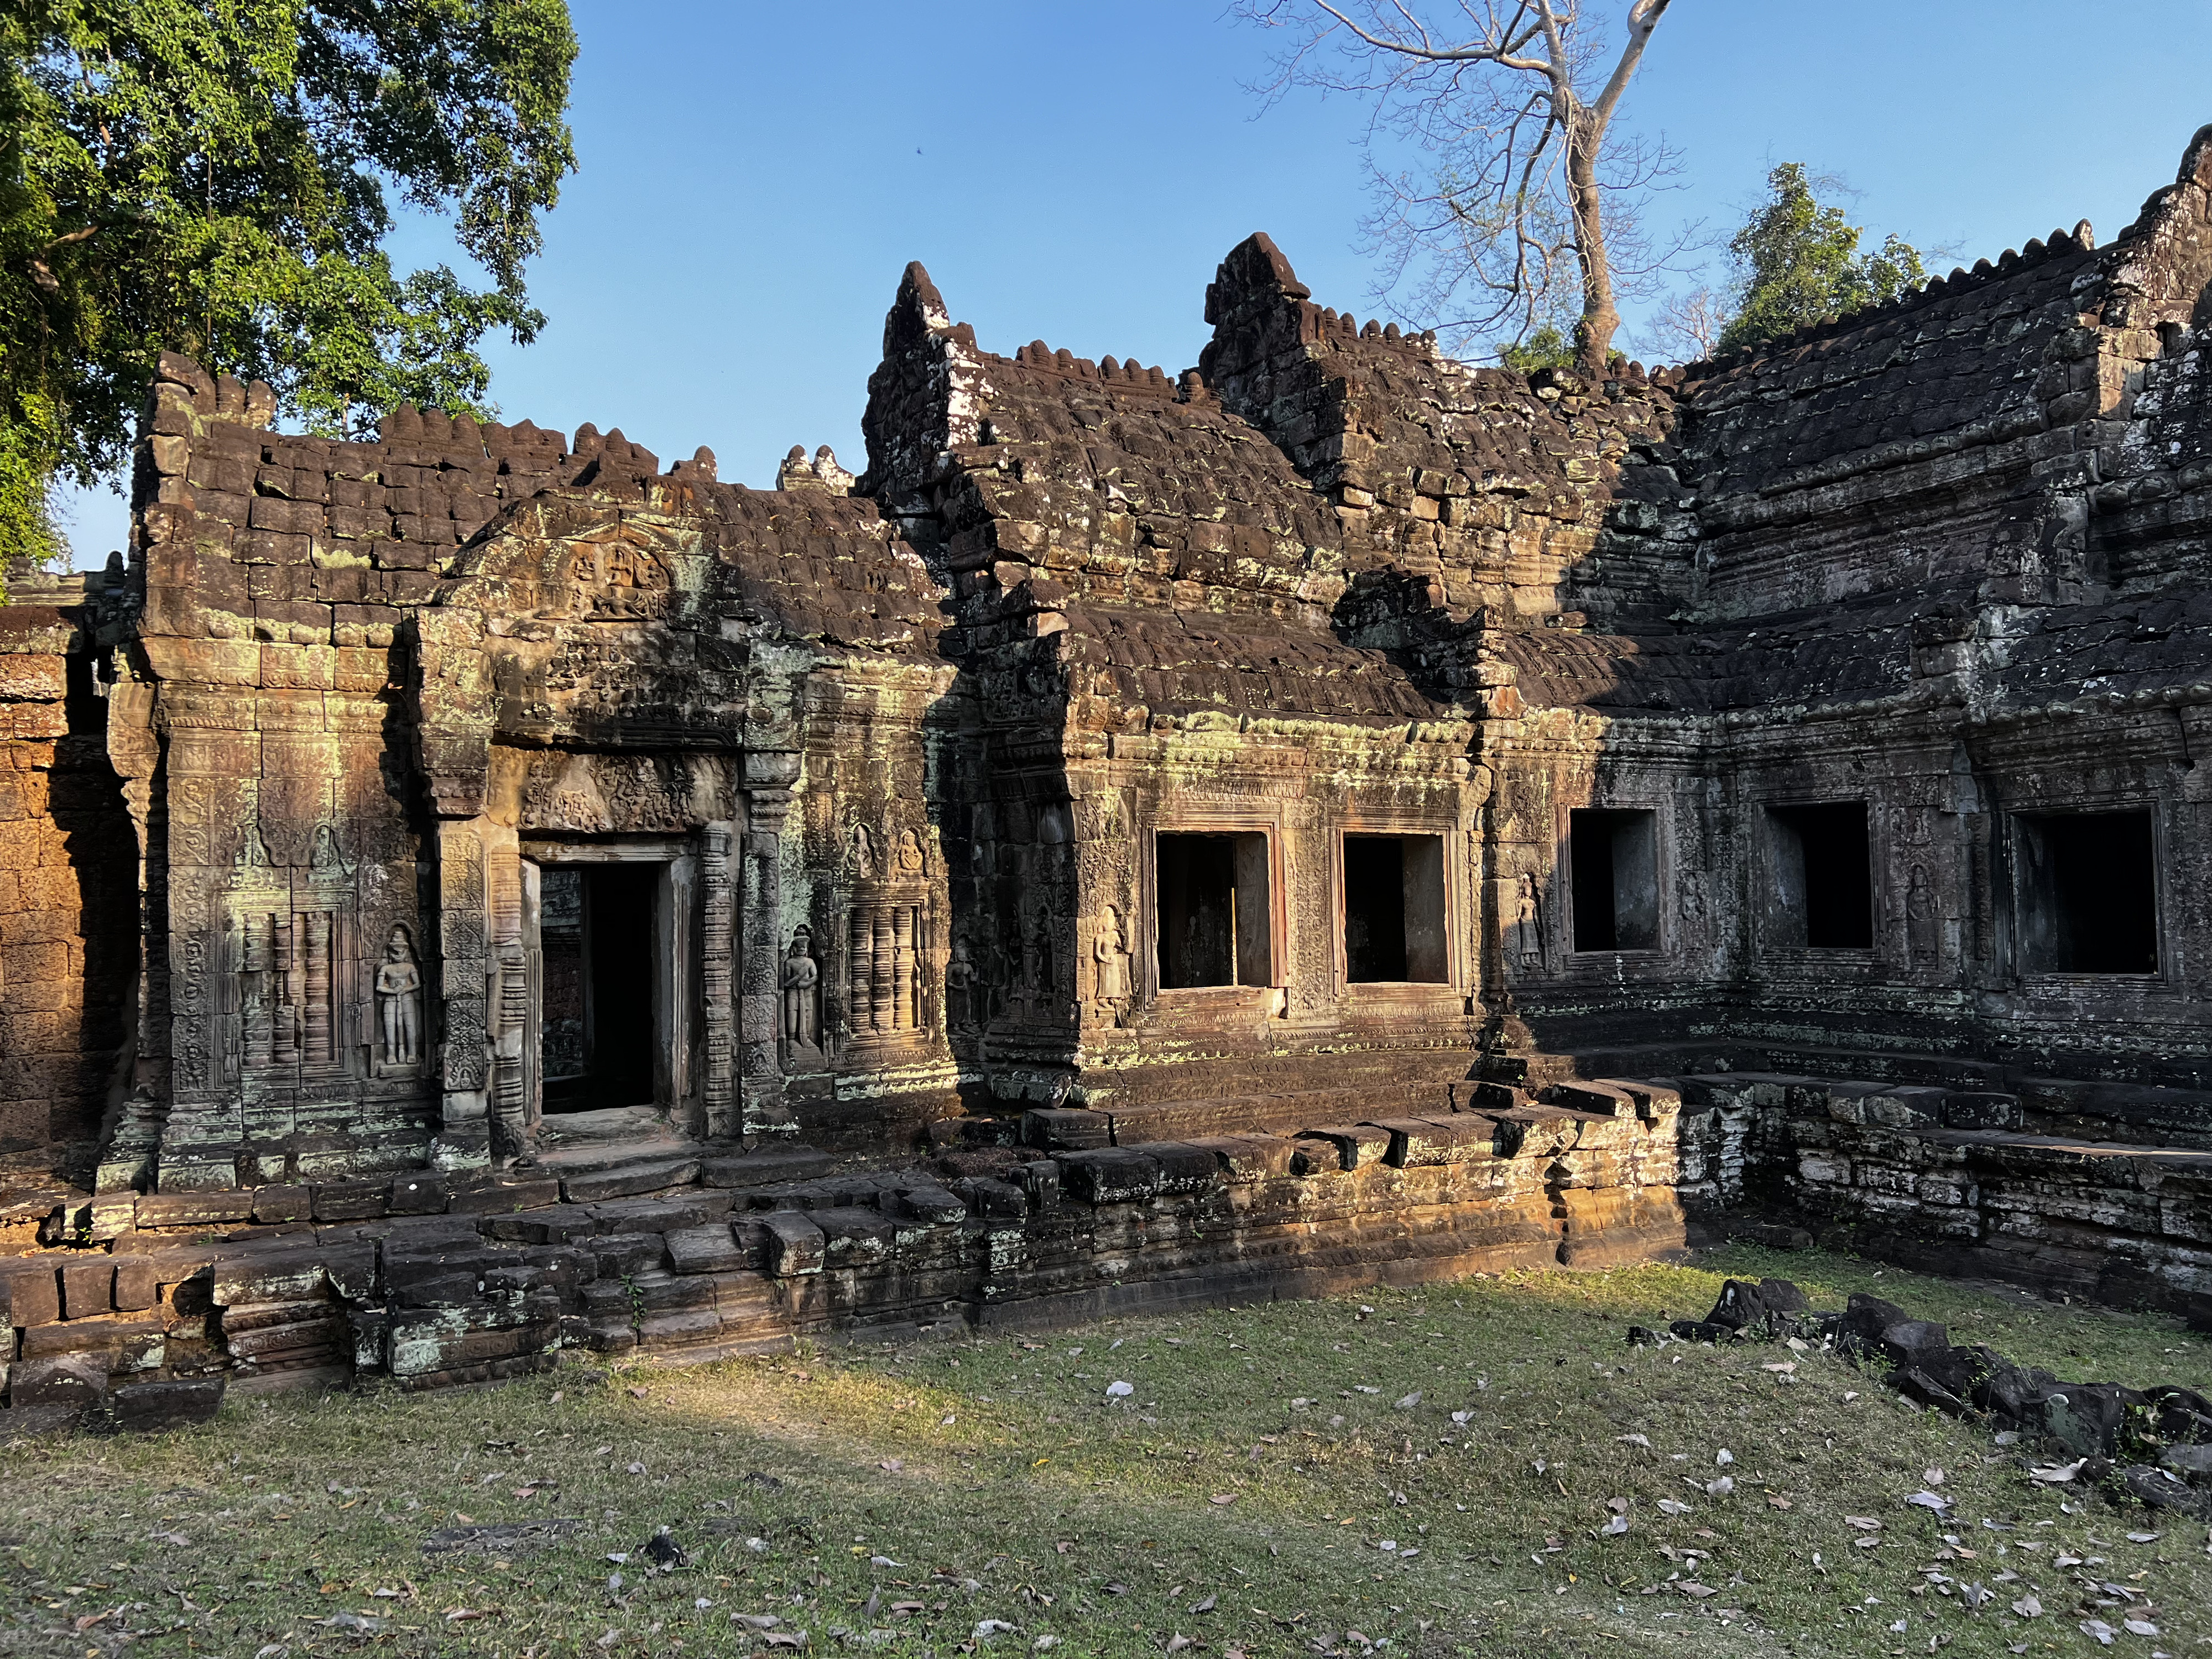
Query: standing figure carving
[
  {"x": 802, "y": 1016},
  {"x": 1920, "y": 918},
  {"x": 1110, "y": 951},
  {"x": 864, "y": 852},
  {"x": 960, "y": 987},
  {"x": 1528, "y": 922},
  {"x": 400, "y": 1000},
  {"x": 1042, "y": 969}
]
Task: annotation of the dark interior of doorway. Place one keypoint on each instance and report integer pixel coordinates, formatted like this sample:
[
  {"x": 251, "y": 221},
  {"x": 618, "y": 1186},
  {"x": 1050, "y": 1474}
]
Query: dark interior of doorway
[{"x": 595, "y": 1024}]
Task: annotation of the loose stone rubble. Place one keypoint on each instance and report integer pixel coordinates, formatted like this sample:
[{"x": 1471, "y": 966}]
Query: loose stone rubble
[
  {"x": 1325, "y": 814},
  {"x": 2151, "y": 1445}
]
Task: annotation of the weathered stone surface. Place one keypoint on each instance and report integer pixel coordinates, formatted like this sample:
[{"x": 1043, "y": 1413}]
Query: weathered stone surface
[{"x": 1335, "y": 800}]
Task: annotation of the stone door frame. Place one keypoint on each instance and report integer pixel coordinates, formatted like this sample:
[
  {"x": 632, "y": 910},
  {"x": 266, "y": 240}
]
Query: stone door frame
[{"x": 676, "y": 978}]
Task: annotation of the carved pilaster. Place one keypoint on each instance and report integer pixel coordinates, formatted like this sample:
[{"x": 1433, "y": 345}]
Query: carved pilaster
[
  {"x": 465, "y": 1137},
  {"x": 719, "y": 880},
  {"x": 767, "y": 777}
]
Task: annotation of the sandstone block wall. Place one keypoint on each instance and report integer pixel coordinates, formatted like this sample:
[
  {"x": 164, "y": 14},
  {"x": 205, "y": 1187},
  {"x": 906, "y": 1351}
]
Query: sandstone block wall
[{"x": 68, "y": 921}]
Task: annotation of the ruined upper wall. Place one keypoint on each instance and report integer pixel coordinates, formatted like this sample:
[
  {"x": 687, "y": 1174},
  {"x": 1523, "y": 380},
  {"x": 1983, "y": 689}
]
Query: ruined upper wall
[
  {"x": 1956, "y": 435},
  {"x": 1519, "y": 496},
  {"x": 248, "y": 533}
]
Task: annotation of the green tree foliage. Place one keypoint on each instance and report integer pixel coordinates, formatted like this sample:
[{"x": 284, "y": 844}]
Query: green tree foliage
[
  {"x": 1546, "y": 347},
  {"x": 220, "y": 177},
  {"x": 1798, "y": 260}
]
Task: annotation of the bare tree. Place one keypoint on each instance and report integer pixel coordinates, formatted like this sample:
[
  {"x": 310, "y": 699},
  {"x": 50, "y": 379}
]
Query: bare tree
[
  {"x": 1688, "y": 326},
  {"x": 1527, "y": 215}
]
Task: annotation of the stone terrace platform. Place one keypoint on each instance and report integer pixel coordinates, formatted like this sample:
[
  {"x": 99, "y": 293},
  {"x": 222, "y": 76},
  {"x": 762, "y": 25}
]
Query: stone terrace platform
[{"x": 145, "y": 1306}]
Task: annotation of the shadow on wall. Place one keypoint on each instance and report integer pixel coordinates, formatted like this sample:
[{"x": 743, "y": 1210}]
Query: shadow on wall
[{"x": 86, "y": 803}]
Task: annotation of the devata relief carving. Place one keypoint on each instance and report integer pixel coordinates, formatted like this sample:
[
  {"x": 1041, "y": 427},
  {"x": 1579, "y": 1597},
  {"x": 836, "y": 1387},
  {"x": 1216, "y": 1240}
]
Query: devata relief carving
[
  {"x": 802, "y": 1004},
  {"x": 399, "y": 1002}
]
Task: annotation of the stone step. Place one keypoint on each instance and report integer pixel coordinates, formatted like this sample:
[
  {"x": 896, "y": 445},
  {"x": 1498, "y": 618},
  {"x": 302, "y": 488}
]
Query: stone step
[{"x": 764, "y": 1166}]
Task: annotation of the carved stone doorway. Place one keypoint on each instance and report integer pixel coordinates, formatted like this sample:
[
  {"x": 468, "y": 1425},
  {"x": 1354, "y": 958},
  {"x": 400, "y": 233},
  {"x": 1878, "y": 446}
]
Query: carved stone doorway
[{"x": 607, "y": 931}]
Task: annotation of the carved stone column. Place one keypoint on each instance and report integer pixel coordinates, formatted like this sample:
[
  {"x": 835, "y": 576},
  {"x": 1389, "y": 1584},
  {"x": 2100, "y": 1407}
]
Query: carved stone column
[
  {"x": 469, "y": 981},
  {"x": 718, "y": 878},
  {"x": 769, "y": 775}
]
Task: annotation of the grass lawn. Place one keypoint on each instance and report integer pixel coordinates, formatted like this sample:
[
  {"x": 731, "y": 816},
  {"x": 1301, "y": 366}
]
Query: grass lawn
[{"x": 1268, "y": 1485}]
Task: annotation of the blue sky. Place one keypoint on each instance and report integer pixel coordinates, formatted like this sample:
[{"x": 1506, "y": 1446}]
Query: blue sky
[{"x": 756, "y": 176}]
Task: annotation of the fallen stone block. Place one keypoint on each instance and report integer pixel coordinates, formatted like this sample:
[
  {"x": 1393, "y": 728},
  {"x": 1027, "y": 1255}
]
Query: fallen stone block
[
  {"x": 1748, "y": 1305},
  {"x": 795, "y": 1244},
  {"x": 1865, "y": 1318},
  {"x": 150, "y": 1407},
  {"x": 2159, "y": 1488},
  {"x": 1917, "y": 1386},
  {"x": 75, "y": 1382},
  {"x": 1112, "y": 1175},
  {"x": 2192, "y": 1462},
  {"x": 1064, "y": 1129}
]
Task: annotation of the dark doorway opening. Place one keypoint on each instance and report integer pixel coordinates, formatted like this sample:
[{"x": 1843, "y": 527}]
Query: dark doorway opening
[
  {"x": 1823, "y": 878},
  {"x": 596, "y": 1029},
  {"x": 1393, "y": 909},
  {"x": 1215, "y": 923},
  {"x": 2089, "y": 893},
  {"x": 1614, "y": 856}
]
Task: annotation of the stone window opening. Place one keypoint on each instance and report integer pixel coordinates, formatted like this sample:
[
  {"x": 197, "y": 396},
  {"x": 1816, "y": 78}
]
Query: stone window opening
[
  {"x": 1614, "y": 857},
  {"x": 1822, "y": 896},
  {"x": 2088, "y": 889},
  {"x": 1215, "y": 909},
  {"x": 596, "y": 1022},
  {"x": 1393, "y": 915}
]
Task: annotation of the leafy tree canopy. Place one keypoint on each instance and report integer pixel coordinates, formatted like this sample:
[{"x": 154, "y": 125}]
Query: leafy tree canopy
[
  {"x": 1545, "y": 348},
  {"x": 220, "y": 177},
  {"x": 1797, "y": 260}
]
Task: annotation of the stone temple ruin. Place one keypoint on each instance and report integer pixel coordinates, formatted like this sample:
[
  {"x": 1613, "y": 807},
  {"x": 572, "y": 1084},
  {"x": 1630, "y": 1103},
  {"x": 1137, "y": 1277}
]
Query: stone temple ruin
[{"x": 1332, "y": 812}]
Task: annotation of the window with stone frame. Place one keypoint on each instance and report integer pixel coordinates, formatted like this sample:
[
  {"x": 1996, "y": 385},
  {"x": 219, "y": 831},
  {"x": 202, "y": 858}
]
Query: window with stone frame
[
  {"x": 1613, "y": 855},
  {"x": 1213, "y": 897},
  {"x": 1394, "y": 914},
  {"x": 2088, "y": 892},
  {"x": 1821, "y": 895}
]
